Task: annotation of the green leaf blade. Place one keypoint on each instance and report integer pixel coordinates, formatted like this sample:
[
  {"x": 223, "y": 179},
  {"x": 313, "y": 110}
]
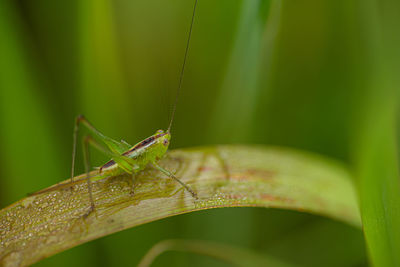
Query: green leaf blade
[{"x": 224, "y": 176}]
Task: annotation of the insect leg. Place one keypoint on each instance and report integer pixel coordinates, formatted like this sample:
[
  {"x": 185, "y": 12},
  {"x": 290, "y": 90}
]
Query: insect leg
[
  {"x": 169, "y": 174},
  {"x": 86, "y": 141},
  {"x": 89, "y": 140},
  {"x": 133, "y": 183},
  {"x": 75, "y": 135},
  {"x": 113, "y": 145},
  {"x": 126, "y": 143}
]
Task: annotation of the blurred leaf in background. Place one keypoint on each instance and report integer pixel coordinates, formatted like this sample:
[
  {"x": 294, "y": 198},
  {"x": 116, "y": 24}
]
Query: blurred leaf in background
[{"x": 289, "y": 73}]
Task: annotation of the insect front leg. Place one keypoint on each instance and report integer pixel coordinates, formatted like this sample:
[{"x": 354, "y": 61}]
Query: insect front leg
[{"x": 171, "y": 175}]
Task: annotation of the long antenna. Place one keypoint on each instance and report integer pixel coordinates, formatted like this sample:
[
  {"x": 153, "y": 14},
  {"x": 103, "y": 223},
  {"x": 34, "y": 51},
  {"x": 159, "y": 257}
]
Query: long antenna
[{"x": 183, "y": 68}]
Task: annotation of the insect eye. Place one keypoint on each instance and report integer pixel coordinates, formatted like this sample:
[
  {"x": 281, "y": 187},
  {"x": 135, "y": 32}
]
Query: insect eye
[{"x": 165, "y": 142}]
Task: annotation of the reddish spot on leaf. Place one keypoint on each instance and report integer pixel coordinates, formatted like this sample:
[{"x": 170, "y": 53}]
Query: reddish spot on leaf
[{"x": 204, "y": 169}]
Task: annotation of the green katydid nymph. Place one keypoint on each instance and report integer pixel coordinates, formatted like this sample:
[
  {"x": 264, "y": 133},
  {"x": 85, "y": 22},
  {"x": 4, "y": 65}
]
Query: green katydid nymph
[{"x": 126, "y": 158}]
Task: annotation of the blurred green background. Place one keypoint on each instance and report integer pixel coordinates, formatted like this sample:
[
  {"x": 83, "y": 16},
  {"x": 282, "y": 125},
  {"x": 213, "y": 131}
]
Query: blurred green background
[{"x": 290, "y": 73}]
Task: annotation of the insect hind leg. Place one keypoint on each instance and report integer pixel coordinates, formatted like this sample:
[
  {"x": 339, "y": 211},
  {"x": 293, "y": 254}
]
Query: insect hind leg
[
  {"x": 89, "y": 140},
  {"x": 113, "y": 145},
  {"x": 86, "y": 141}
]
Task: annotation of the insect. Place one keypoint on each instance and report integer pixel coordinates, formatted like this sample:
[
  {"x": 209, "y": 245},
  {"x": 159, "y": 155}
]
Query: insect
[{"x": 124, "y": 157}]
